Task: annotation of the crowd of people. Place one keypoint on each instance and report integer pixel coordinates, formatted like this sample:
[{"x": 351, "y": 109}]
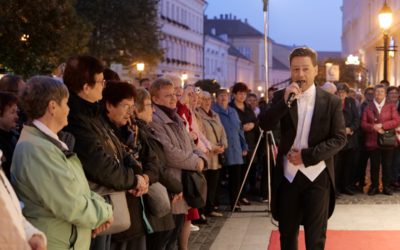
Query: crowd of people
[{"x": 73, "y": 143}]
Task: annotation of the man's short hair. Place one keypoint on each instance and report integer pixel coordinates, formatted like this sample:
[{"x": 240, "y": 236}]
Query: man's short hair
[
  {"x": 158, "y": 84},
  {"x": 221, "y": 91},
  {"x": 304, "y": 52}
]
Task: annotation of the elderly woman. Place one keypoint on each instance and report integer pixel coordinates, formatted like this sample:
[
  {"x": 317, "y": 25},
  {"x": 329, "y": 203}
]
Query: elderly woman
[
  {"x": 215, "y": 133},
  {"x": 118, "y": 103},
  {"x": 64, "y": 208},
  {"x": 378, "y": 117},
  {"x": 237, "y": 146},
  {"x": 151, "y": 153},
  {"x": 107, "y": 165}
]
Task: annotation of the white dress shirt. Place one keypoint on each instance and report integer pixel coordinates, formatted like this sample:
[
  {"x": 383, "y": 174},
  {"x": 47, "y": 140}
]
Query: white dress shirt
[{"x": 305, "y": 111}]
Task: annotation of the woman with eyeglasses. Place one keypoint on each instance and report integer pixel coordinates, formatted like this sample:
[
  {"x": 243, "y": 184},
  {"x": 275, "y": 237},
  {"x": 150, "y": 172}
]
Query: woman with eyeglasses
[
  {"x": 49, "y": 178},
  {"x": 118, "y": 105},
  {"x": 107, "y": 165}
]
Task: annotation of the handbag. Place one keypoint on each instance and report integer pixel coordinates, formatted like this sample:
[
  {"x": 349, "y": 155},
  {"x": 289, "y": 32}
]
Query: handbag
[
  {"x": 388, "y": 139},
  {"x": 157, "y": 200},
  {"x": 194, "y": 188},
  {"x": 122, "y": 219}
]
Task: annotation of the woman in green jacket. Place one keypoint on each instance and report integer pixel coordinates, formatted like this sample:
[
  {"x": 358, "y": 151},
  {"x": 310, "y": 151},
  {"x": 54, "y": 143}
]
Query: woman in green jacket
[{"x": 48, "y": 177}]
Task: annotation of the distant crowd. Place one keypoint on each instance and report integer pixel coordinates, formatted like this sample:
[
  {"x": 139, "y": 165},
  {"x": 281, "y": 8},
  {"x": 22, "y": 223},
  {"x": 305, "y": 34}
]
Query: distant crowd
[{"x": 91, "y": 162}]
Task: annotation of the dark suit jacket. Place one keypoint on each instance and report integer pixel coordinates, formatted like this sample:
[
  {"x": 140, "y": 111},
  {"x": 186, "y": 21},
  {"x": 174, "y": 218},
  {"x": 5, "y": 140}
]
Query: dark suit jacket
[{"x": 327, "y": 136}]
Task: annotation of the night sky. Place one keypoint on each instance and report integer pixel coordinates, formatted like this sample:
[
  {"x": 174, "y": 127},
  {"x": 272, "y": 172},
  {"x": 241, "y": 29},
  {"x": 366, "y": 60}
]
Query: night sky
[{"x": 315, "y": 23}]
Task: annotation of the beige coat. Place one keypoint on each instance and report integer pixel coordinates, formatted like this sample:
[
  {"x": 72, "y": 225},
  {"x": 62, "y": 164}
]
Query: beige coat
[
  {"x": 209, "y": 125},
  {"x": 16, "y": 230}
]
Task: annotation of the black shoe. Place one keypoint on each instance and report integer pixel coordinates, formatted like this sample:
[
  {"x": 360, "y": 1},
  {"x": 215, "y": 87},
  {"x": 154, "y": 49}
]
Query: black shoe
[
  {"x": 387, "y": 191},
  {"x": 347, "y": 191},
  {"x": 373, "y": 191}
]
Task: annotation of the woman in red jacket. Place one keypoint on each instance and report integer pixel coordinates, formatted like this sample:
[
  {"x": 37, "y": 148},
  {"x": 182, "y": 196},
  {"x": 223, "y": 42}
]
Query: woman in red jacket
[{"x": 378, "y": 117}]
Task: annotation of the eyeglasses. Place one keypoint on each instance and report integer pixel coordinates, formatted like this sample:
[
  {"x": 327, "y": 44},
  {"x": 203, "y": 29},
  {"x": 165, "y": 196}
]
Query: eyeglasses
[
  {"x": 127, "y": 107},
  {"x": 102, "y": 82}
]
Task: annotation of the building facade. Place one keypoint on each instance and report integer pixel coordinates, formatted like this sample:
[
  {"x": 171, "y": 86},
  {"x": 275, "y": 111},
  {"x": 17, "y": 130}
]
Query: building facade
[
  {"x": 181, "y": 24},
  {"x": 361, "y": 35}
]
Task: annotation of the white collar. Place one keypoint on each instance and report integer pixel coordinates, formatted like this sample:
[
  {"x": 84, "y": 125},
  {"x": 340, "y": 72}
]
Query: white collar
[
  {"x": 379, "y": 105},
  {"x": 42, "y": 127}
]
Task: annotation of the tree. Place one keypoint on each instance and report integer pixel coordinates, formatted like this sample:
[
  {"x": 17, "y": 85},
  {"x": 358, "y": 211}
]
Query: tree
[
  {"x": 36, "y": 36},
  {"x": 209, "y": 85},
  {"x": 125, "y": 31}
]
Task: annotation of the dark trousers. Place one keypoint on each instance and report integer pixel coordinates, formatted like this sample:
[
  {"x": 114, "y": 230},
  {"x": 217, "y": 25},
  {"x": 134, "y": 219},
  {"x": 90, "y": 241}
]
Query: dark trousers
[
  {"x": 234, "y": 172},
  {"x": 304, "y": 202},
  {"x": 172, "y": 243},
  {"x": 344, "y": 169},
  {"x": 102, "y": 242},
  {"x": 137, "y": 243},
  {"x": 212, "y": 177},
  {"x": 158, "y": 240},
  {"x": 378, "y": 157},
  {"x": 396, "y": 164},
  {"x": 363, "y": 158}
]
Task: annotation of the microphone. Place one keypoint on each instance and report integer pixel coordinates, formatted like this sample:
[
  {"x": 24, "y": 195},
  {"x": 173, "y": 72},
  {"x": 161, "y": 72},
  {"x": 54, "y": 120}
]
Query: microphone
[{"x": 292, "y": 96}]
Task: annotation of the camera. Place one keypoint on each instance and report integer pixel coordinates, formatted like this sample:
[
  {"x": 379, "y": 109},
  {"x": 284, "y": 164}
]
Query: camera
[{"x": 197, "y": 90}]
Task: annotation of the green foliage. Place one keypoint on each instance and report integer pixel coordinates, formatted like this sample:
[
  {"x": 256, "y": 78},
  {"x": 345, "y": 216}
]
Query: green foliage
[
  {"x": 53, "y": 31},
  {"x": 125, "y": 31}
]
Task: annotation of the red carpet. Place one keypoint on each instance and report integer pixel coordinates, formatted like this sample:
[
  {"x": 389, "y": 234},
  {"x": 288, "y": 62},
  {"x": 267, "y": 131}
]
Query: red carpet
[{"x": 349, "y": 240}]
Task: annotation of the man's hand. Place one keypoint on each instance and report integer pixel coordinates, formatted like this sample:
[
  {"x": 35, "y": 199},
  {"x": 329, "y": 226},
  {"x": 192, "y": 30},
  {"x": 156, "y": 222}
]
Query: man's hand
[
  {"x": 102, "y": 227},
  {"x": 248, "y": 126},
  {"x": 36, "y": 242},
  {"x": 292, "y": 88},
  {"x": 294, "y": 157},
  {"x": 244, "y": 152}
]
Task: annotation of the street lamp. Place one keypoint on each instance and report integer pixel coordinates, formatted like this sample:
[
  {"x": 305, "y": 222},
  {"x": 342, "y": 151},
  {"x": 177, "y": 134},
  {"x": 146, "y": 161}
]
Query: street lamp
[
  {"x": 140, "y": 68},
  {"x": 184, "y": 77},
  {"x": 385, "y": 21}
]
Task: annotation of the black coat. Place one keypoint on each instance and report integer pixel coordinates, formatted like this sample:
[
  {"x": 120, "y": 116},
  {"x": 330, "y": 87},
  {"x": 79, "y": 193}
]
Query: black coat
[
  {"x": 103, "y": 158},
  {"x": 352, "y": 121},
  {"x": 247, "y": 115},
  {"x": 327, "y": 136},
  {"x": 148, "y": 150}
]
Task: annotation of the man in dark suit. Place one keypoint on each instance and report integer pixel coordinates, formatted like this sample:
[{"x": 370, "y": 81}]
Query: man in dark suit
[{"x": 312, "y": 132}]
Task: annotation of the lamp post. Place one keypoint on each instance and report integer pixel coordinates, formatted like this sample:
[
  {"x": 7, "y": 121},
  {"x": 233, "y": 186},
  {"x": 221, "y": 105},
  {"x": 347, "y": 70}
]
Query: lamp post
[
  {"x": 385, "y": 21},
  {"x": 140, "y": 68},
  {"x": 184, "y": 77}
]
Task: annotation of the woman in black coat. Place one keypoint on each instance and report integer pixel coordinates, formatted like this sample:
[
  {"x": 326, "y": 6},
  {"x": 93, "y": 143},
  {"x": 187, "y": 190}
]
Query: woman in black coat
[
  {"x": 107, "y": 165},
  {"x": 344, "y": 160}
]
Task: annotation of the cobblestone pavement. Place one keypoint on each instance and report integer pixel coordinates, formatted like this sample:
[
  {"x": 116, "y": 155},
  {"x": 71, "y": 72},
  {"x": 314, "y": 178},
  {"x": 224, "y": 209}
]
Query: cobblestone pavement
[{"x": 203, "y": 239}]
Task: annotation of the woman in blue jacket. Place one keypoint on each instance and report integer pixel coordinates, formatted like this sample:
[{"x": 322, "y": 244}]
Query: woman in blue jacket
[{"x": 237, "y": 147}]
